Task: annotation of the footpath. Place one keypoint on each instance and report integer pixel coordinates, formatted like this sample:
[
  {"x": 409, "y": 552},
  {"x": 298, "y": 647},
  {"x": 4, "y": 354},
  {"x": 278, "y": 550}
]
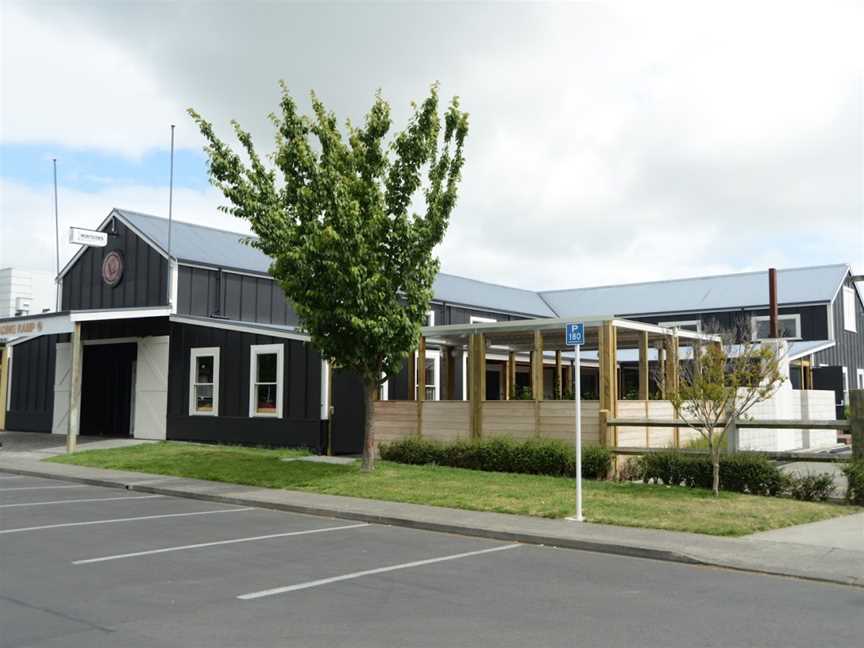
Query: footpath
[{"x": 829, "y": 551}]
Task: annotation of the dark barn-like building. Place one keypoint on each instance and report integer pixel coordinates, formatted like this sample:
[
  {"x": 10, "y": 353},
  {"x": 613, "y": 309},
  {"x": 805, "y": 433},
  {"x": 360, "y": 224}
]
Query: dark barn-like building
[{"x": 200, "y": 343}]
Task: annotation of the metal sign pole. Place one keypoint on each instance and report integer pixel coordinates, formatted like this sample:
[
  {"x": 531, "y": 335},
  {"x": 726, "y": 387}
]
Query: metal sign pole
[
  {"x": 575, "y": 337},
  {"x": 577, "y": 395}
]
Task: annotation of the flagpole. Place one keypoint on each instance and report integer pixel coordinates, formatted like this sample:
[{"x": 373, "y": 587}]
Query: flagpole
[
  {"x": 171, "y": 296},
  {"x": 56, "y": 241}
]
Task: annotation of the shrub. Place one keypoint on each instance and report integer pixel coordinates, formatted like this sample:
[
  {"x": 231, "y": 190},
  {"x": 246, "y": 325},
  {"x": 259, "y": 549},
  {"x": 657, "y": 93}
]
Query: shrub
[
  {"x": 811, "y": 488},
  {"x": 854, "y": 472},
  {"x": 535, "y": 456},
  {"x": 739, "y": 472}
]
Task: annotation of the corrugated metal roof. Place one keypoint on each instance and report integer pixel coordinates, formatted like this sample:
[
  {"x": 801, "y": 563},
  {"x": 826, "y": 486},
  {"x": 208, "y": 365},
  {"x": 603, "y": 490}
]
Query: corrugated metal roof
[
  {"x": 220, "y": 248},
  {"x": 209, "y": 246},
  {"x": 461, "y": 290},
  {"x": 794, "y": 286},
  {"x": 200, "y": 244}
]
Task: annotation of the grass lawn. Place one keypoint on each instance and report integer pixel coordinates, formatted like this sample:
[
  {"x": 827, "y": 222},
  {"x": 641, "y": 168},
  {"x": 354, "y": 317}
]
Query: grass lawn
[{"x": 625, "y": 504}]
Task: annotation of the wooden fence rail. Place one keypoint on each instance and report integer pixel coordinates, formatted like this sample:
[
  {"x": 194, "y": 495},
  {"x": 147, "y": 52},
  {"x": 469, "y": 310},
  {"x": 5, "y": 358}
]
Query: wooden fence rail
[
  {"x": 777, "y": 456},
  {"x": 781, "y": 424}
]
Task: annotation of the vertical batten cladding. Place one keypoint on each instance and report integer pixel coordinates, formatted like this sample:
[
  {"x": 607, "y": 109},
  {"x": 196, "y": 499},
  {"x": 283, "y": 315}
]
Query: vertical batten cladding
[
  {"x": 205, "y": 292},
  {"x": 814, "y": 319},
  {"x": 144, "y": 281},
  {"x": 848, "y": 350},
  {"x": 300, "y": 424},
  {"x": 31, "y": 398}
]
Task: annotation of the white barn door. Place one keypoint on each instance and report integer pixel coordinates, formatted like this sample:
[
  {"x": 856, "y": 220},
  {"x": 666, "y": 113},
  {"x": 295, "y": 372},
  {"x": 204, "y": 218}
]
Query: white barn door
[
  {"x": 151, "y": 388},
  {"x": 62, "y": 376}
]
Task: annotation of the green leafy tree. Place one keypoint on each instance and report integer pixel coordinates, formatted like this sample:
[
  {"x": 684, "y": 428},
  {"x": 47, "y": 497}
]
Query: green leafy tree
[
  {"x": 720, "y": 384},
  {"x": 334, "y": 212}
]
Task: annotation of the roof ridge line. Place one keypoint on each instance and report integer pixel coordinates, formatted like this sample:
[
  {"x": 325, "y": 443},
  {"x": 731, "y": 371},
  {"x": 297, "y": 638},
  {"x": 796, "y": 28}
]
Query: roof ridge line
[{"x": 703, "y": 277}]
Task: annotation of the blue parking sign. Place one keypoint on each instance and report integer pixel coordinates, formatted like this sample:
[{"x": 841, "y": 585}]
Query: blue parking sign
[{"x": 575, "y": 334}]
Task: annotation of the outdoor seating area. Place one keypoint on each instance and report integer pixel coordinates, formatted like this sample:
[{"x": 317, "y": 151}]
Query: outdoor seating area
[{"x": 535, "y": 395}]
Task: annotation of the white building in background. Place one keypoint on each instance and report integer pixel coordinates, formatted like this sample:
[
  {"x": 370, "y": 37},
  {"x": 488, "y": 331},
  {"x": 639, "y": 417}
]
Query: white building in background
[{"x": 26, "y": 292}]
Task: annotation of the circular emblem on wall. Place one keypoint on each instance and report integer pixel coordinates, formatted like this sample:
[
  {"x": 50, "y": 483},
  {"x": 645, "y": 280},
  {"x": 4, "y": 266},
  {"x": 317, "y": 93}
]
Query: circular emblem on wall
[{"x": 112, "y": 268}]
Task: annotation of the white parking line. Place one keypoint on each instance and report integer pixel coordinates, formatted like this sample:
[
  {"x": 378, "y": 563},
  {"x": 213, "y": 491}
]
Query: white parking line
[
  {"x": 12, "y": 476},
  {"x": 369, "y": 572},
  {"x": 127, "y": 519},
  {"x": 29, "y": 488},
  {"x": 213, "y": 544},
  {"x": 76, "y": 501}
]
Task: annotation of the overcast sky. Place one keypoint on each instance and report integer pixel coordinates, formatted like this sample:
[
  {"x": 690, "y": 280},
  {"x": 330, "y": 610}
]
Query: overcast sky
[{"x": 608, "y": 142}]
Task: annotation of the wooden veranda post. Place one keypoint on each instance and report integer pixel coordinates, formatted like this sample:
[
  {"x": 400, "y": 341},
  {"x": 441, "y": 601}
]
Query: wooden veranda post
[
  {"x": 671, "y": 377},
  {"x": 608, "y": 380},
  {"x": 75, "y": 389},
  {"x": 856, "y": 422},
  {"x": 559, "y": 375},
  {"x": 477, "y": 376},
  {"x": 421, "y": 383},
  {"x": 537, "y": 367},
  {"x": 448, "y": 373},
  {"x": 421, "y": 369},
  {"x": 643, "y": 366},
  {"x": 511, "y": 375},
  {"x": 411, "y": 367}
]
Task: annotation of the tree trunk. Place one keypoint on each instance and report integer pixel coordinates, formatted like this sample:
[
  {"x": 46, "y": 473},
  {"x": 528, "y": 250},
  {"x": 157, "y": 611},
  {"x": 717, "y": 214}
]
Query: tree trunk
[
  {"x": 715, "y": 465},
  {"x": 368, "y": 463}
]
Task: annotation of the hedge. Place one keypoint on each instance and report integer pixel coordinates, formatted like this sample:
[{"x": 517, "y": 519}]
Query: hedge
[
  {"x": 739, "y": 472},
  {"x": 535, "y": 456},
  {"x": 854, "y": 472}
]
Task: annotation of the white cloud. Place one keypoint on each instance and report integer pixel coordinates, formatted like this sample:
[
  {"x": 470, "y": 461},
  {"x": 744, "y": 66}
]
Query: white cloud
[
  {"x": 608, "y": 142},
  {"x": 27, "y": 217}
]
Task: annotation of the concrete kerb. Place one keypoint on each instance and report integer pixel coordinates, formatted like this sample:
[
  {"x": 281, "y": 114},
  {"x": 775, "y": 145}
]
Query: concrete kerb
[{"x": 142, "y": 484}]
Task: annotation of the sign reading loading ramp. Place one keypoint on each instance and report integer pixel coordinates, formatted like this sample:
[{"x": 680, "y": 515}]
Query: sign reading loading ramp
[{"x": 88, "y": 237}]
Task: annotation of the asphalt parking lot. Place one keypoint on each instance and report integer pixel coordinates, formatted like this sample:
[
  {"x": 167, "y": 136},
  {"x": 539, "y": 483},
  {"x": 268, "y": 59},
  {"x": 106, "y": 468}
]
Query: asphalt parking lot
[{"x": 91, "y": 566}]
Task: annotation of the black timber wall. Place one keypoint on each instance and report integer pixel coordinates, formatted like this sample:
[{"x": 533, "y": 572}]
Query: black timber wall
[
  {"x": 300, "y": 425},
  {"x": 205, "y": 292},
  {"x": 31, "y": 399},
  {"x": 144, "y": 282},
  {"x": 814, "y": 319},
  {"x": 848, "y": 350}
]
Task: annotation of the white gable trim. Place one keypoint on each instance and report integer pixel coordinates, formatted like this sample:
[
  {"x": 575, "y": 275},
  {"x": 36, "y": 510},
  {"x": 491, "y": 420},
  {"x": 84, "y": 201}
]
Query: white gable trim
[{"x": 114, "y": 214}]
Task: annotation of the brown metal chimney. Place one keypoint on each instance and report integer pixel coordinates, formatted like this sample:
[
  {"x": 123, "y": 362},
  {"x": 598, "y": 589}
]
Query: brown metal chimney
[{"x": 774, "y": 311}]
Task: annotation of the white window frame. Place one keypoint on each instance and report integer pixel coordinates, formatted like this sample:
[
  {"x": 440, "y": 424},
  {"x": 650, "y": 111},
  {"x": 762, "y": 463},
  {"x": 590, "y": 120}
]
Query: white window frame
[
  {"x": 263, "y": 349},
  {"x": 477, "y": 319},
  {"x": 849, "y": 309},
  {"x": 860, "y": 378},
  {"x": 194, "y": 354},
  {"x": 435, "y": 355},
  {"x": 430, "y": 318},
  {"x": 845, "y": 385},
  {"x": 754, "y": 325},
  {"x": 682, "y": 323}
]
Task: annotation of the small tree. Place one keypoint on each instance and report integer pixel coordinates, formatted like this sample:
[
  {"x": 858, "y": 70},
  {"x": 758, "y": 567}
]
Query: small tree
[
  {"x": 348, "y": 252},
  {"x": 720, "y": 384}
]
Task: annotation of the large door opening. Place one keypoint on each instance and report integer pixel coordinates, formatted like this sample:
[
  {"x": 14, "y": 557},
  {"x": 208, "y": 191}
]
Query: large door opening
[
  {"x": 349, "y": 413},
  {"x": 107, "y": 384}
]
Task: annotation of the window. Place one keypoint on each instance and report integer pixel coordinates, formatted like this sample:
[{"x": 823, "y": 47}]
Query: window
[
  {"x": 433, "y": 371},
  {"x": 849, "y": 309},
  {"x": 789, "y": 327},
  {"x": 204, "y": 381},
  {"x": 860, "y": 378},
  {"x": 845, "y": 385},
  {"x": 686, "y": 325},
  {"x": 430, "y": 318},
  {"x": 476, "y": 319},
  {"x": 265, "y": 377}
]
